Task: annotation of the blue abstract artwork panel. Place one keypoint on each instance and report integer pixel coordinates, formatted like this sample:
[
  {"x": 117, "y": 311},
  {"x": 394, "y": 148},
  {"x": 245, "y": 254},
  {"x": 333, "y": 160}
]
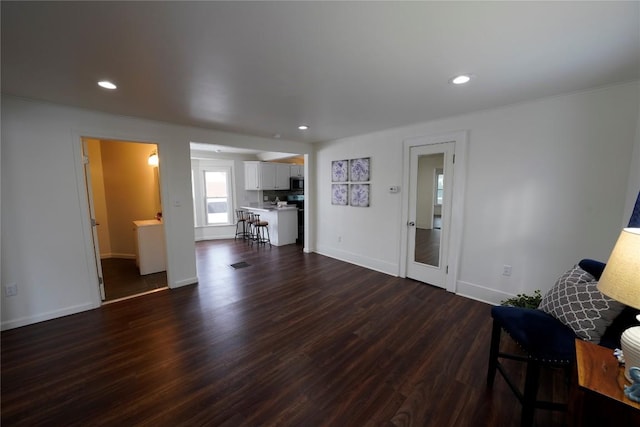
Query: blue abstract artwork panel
[
  {"x": 340, "y": 170},
  {"x": 359, "y": 169},
  {"x": 339, "y": 194},
  {"x": 359, "y": 195}
]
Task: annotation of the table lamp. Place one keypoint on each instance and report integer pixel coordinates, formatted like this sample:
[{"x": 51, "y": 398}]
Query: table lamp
[{"x": 620, "y": 280}]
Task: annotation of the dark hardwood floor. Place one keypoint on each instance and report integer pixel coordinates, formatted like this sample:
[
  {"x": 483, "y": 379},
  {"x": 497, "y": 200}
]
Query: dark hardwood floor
[
  {"x": 293, "y": 339},
  {"x": 122, "y": 279}
]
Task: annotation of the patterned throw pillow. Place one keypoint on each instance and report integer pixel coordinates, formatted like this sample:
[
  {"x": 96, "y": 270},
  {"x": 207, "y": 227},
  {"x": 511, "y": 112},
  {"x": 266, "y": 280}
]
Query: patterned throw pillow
[{"x": 575, "y": 301}]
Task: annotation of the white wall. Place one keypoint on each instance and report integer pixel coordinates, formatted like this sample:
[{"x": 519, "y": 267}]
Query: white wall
[
  {"x": 633, "y": 187},
  {"x": 46, "y": 237},
  {"x": 547, "y": 184}
]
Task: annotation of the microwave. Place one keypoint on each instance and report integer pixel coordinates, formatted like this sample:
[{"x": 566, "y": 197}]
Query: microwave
[{"x": 297, "y": 183}]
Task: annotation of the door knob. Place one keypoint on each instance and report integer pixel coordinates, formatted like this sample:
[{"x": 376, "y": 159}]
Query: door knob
[{"x": 411, "y": 224}]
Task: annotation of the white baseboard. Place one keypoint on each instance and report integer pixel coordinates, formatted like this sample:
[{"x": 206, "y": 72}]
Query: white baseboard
[
  {"x": 117, "y": 255},
  {"x": 480, "y": 293},
  {"x": 28, "y": 320},
  {"x": 370, "y": 263},
  {"x": 184, "y": 282},
  {"x": 220, "y": 237}
]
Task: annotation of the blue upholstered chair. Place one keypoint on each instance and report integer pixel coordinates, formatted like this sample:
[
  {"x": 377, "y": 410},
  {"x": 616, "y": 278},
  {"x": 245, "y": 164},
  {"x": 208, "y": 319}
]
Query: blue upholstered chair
[{"x": 546, "y": 342}]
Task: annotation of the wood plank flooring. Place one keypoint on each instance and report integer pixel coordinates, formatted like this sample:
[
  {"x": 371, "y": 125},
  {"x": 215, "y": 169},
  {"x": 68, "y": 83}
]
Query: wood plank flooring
[
  {"x": 293, "y": 339},
  {"x": 122, "y": 279}
]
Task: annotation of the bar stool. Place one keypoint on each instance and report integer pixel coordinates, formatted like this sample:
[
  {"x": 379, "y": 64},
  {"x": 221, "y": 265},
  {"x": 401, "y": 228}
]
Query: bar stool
[
  {"x": 262, "y": 232},
  {"x": 250, "y": 219},
  {"x": 241, "y": 225}
]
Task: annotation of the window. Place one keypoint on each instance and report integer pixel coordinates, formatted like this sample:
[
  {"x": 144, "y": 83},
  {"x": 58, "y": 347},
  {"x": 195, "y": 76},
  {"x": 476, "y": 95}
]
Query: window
[
  {"x": 216, "y": 196},
  {"x": 439, "y": 186},
  {"x": 212, "y": 193}
]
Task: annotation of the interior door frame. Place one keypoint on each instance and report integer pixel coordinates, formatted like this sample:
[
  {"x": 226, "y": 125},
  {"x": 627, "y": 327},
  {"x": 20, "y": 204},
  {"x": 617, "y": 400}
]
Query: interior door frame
[
  {"x": 460, "y": 139},
  {"x": 77, "y": 137}
]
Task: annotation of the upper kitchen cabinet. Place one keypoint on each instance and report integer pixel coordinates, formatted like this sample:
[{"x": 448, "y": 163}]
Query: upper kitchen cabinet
[
  {"x": 252, "y": 176},
  {"x": 266, "y": 176},
  {"x": 283, "y": 173},
  {"x": 297, "y": 171}
]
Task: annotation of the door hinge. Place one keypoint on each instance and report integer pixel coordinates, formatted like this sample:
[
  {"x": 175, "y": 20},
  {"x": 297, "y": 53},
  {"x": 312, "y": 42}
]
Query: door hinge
[
  {"x": 93, "y": 222},
  {"x": 100, "y": 280},
  {"x": 454, "y": 159},
  {"x": 85, "y": 160},
  {"x": 447, "y": 270}
]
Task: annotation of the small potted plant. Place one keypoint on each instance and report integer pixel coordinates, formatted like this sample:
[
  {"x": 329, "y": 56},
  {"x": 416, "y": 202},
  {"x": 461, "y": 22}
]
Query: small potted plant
[{"x": 524, "y": 300}]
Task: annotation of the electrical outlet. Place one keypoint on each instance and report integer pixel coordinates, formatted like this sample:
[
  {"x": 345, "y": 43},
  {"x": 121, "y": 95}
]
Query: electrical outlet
[
  {"x": 10, "y": 290},
  {"x": 506, "y": 270}
]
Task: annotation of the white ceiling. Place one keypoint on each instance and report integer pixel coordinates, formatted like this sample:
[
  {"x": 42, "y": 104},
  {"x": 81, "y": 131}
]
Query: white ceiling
[{"x": 343, "y": 68}]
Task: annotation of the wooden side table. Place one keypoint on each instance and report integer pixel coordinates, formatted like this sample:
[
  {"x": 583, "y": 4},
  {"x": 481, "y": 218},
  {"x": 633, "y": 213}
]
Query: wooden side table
[{"x": 598, "y": 398}]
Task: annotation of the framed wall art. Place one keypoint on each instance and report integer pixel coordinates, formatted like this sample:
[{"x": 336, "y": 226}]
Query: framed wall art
[
  {"x": 359, "y": 169},
  {"x": 340, "y": 171},
  {"x": 359, "y": 195},
  {"x": 339, "y": 194},
  {"x": 350, "y": 182}
]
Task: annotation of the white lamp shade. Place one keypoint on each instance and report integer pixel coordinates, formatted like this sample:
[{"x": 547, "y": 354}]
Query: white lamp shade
[{"x": 620, "y": 279}]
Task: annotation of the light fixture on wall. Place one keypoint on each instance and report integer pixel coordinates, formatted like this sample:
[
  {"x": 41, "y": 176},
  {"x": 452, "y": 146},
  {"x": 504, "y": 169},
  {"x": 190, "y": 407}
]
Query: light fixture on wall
[
  {"x": 153, "y": 158},
  {"x": 620, "y": 280}
]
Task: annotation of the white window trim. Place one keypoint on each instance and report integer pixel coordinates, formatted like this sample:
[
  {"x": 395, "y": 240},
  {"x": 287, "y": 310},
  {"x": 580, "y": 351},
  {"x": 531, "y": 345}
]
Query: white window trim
[{"x": 199, "y": 167}]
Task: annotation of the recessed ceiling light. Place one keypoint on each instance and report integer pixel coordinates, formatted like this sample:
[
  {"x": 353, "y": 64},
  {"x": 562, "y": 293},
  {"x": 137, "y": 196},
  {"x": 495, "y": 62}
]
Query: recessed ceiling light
[
  {"x": 461, "y": 79},
  {"x": 303, "y": 127},
  {"x": 107, "y": 84}
]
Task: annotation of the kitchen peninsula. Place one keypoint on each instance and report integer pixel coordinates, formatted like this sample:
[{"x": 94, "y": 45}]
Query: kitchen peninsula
[{"x": 283, "y": 222}]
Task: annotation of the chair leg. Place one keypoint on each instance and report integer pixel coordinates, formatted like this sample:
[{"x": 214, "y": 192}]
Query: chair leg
[
  {"x": 268, "y": 239},
  {"x": 493, "y": 353},
  {"x": 238, "y": 232},
  {"x": 530, "y": 393}
]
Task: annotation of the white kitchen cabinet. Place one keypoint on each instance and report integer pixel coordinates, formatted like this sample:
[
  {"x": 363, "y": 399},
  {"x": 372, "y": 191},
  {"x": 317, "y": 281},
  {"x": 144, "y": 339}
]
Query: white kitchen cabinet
[
  {"x": 283, "y": 173},
  {"x": 266, "y": 176},
  {"x": 296, "y": 171},
  {"x": 252, "y": 178},
  {"x": 150, "y": 246}
]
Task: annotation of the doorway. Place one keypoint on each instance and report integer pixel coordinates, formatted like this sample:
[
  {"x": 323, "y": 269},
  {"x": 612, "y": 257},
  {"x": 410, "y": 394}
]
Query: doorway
[
  {"x": 433, "y": 206},
  {"x": 123, "y": 190}
]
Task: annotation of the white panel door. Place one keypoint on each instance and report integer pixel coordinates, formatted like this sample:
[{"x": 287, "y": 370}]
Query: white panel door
[{"x": 430, "y": 195}]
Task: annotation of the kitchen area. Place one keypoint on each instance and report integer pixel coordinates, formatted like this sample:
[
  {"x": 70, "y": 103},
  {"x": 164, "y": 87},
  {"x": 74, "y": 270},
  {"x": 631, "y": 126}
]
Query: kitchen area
[
  {"x": 247, "y": 179},
  {"x": 281, "y": 186}
]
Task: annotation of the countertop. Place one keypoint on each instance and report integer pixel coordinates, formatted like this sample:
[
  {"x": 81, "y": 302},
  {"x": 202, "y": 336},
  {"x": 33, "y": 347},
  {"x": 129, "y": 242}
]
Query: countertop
[{"x": 269, "y": 207}]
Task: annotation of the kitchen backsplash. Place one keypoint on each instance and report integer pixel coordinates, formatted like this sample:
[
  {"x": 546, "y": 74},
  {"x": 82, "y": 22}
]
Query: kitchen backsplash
[{"x": 280, "y": 194}]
